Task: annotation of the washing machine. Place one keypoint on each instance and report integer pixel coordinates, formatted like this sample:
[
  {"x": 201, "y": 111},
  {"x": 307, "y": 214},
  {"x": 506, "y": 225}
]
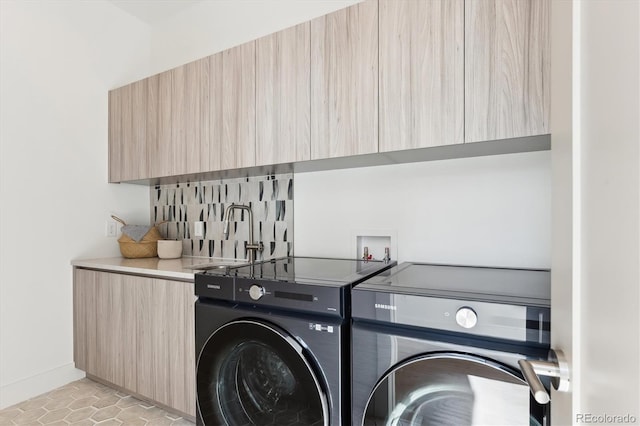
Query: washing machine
[
  {"x": 272, "y": 342},
  {"x": 440, "y": 344}
]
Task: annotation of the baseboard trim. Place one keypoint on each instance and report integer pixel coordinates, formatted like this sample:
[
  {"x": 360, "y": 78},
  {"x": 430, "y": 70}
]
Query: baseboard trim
[{"x": 13, "y": 393}]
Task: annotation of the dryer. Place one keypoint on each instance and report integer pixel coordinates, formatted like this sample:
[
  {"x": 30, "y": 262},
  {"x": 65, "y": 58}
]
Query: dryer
[{"x": 440, "y": 344}]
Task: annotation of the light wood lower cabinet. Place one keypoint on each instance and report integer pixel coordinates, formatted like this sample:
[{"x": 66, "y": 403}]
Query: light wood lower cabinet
[
  {"x": 80, "y": 316},
  {"x": 113, "y": 330},
  {"x": 137, "y": 333}
]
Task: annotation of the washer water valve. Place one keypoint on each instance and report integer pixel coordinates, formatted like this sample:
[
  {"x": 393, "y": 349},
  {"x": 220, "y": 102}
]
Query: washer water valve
[
  {"x": 387, "y": 256},
  {"x": 366, "y": 255}
]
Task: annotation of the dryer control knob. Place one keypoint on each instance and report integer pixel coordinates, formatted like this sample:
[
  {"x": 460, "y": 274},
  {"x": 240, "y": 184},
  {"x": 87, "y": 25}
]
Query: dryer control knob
[
  {"x": 256, "y": 291},
  {"x": 466, "y": 317}
]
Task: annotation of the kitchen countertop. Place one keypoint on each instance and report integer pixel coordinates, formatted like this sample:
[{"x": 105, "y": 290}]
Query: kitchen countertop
[{"x": 181, "y": 269}]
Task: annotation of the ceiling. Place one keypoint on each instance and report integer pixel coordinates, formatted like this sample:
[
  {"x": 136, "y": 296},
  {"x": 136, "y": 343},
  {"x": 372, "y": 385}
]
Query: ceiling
[{"x": 153, "y": 11}]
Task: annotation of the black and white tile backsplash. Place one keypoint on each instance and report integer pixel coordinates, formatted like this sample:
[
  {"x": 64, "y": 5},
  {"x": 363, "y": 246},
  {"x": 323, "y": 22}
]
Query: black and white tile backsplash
[{"x": 270, "y": 199}]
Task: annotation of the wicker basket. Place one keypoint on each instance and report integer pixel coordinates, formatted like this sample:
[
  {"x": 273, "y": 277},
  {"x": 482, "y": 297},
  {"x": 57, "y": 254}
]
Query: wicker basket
[{"x": 146, "y": 247}]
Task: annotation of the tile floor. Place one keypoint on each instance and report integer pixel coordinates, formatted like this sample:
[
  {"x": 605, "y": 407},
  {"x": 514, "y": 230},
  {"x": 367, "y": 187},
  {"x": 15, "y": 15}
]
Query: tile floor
[{"x": 86, "y": 402}]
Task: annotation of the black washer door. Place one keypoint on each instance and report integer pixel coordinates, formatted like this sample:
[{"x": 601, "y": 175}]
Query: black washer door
[
  {"x": 252, "y": 373},
  {"x": 450, "y": 389}
]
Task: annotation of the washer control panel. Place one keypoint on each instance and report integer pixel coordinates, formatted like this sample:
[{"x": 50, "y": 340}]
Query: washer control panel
[
  {"x": 466, "y": 317},
  {"x": 279, "y": 294},
  {"x": 256, "y": 291}
]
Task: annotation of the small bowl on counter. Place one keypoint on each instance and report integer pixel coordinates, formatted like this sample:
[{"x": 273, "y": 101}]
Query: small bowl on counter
[{"x": 169, "y": 249}]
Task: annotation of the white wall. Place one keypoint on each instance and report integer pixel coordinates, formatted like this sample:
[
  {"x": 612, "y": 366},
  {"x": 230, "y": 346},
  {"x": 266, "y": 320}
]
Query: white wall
[
  {"x": 212, "y": 26},
  {"x": 610, "y": 209},
  {"x": 490, "y": 211},
  {"x": 58, "y": 60}
]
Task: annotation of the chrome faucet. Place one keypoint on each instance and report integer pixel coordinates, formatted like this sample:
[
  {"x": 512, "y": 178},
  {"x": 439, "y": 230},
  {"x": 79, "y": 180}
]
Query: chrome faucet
[{"x": 252, "y": 247}]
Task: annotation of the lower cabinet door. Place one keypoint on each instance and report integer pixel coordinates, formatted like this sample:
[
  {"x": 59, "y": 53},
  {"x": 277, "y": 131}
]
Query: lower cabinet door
[
  {"x": 166, "y": 348},
  {"x": 137, "y": 333}
]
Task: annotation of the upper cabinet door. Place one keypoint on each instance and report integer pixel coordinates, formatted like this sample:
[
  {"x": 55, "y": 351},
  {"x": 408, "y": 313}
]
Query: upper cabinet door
[
  {"x": 239, "y": 107},
  {"x": 282, "y": 96},
  {"x": 215, "y": 119},
  {"x": 196, "y": 117},
  {"x": 127, "y": 132},
  {"x": 190, "y": 117},
  {"x": 115, "y": 134},
  {"x": 159, "y": 138},
  {"x": 344, "y": 82},
  {"x": 135, "y": 164},
  {"x": 506, "y": 68},
  {"x": 421, "y": 73}
]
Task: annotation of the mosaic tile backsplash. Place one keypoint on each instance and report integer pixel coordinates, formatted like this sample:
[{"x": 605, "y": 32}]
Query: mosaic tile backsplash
[{"x": 270, "y": 199}]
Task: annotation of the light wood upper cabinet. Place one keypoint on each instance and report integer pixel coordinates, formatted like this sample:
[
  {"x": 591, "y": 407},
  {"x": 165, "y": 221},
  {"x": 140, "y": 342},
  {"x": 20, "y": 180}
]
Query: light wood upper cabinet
[
  {"x": 421, "y": 73},
  {"x": 127, "y": 142},
  {"x": 344, "y": 82},
  {"x": 282, "y": 96},
  {"x": 115, "y": 134},
  {"x": 215, "y": 119},
  {"x": 198, "y": 136},
  {"x": 379, "y": 76},
  {"x": 127, "y": 132},
  {"x": 178, "y": 121},
  {"x": 506, "y": 69},
  {"x": 152, "y": 124},
  {"x": 238, "y": 148},
  {"x": 159, "y": 115},
  {"x": 190, "y": 117},
  {"x": 134, "y": 159}
]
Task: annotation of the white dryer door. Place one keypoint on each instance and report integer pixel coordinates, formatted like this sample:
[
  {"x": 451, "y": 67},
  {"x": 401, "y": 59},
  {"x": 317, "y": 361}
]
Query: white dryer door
[{"x": 451, "y": 389}]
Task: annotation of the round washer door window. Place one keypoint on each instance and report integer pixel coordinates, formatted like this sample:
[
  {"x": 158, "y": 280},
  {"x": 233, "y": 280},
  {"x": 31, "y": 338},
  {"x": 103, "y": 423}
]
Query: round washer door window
[
  {"x": 253, "y": 373},
  {"x": 450, "y": 389}
]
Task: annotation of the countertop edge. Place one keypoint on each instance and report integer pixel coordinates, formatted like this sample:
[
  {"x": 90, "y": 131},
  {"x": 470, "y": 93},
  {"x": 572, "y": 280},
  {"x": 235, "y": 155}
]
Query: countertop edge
[{"x": 115, "y": 265}]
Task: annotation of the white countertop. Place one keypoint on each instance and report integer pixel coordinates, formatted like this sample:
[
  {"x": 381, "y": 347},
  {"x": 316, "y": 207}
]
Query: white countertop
[{"x": 182, "y": 268}]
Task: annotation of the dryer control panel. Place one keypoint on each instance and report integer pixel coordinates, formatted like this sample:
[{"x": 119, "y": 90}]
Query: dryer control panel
[
  {"x": 502, "y": 303},
  {"x": 509, "y": 322}
]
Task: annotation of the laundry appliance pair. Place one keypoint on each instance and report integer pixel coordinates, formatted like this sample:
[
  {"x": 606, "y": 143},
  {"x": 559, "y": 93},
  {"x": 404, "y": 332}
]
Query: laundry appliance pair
[{"x": 328, "y": 342}]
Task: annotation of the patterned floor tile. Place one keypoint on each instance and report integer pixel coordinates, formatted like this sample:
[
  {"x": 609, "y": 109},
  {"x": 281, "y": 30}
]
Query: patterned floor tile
[
  {"x": 54, "y": 416},
  {"x": 87, "y": 403},
  {"x": 81, "y": 414}
]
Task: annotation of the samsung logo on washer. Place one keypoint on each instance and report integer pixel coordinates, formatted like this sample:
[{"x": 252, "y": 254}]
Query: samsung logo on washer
[{"x": 387, "y": 307}]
